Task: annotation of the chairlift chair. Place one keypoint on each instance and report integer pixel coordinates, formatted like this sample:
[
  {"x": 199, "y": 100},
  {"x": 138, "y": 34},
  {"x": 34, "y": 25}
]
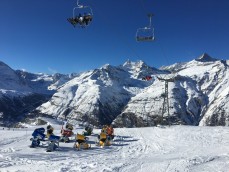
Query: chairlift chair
[
  {"x": 82, "y": 15},
  {"x": 145, "y": 34}
]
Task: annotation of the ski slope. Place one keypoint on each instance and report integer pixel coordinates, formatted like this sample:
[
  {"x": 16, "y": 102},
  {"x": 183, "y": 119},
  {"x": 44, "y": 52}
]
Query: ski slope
[{"x": 151, "y": 149}]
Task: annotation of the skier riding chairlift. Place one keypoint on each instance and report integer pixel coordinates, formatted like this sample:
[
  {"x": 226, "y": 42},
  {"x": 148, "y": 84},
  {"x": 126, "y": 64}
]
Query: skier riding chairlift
[{"x": 82, "y": 20}]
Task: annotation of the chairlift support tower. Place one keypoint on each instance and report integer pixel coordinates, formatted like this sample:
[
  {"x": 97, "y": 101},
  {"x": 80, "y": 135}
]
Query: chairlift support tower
[{"x": 165, "y": 105}]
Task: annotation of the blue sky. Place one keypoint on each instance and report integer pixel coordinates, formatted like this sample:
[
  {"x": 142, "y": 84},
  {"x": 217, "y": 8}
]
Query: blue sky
[{"x": 35, "y": 35}]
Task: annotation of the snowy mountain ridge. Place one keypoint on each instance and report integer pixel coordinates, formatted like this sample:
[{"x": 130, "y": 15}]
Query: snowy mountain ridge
[
  {"x": 118, "y": 94},
  {"x": 133, "y": 95},
  {"x": 205, "y": 93},
  {"x": 21, "y": 91},
  {"x": 10, "y": 80}
]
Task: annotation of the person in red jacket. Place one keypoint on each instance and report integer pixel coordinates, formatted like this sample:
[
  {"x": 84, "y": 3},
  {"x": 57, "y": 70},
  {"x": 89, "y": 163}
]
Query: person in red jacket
[{"x": 110, "y": 131}]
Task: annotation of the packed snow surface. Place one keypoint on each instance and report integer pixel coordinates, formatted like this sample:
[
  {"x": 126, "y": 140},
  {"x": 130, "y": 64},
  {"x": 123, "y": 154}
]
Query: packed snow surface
[{"x": 150, "y": 149}]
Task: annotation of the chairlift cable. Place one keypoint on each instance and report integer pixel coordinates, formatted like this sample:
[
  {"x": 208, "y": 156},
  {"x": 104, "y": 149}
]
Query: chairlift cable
[
  {"x": 143, "y": 6},
  {"x": 117, "y": 32},
  {"x": 150, "y": 15},
  {"x": 163, "y": 52}
]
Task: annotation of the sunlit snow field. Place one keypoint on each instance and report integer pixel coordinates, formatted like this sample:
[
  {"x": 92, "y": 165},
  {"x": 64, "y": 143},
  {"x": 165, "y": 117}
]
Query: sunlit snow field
[{"x": 151, "y": 149}]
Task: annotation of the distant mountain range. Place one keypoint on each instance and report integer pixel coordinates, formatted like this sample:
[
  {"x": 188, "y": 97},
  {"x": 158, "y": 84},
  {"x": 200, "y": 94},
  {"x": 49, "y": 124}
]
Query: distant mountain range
[
  {"x": 129, "y": 95},
  {"x": 21, "y": 92}
]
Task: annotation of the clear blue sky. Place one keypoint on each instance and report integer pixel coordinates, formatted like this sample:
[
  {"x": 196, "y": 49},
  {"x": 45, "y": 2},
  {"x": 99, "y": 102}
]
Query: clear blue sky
[{"x": 35, "y": 34}]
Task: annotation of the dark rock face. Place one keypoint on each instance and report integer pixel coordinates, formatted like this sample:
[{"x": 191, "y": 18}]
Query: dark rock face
[{"x": 15, "y": 109}]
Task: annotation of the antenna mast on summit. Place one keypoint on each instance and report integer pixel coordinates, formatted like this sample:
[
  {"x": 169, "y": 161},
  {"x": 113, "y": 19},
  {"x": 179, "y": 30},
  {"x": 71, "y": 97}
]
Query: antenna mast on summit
[{"x": 166, "y": 97}]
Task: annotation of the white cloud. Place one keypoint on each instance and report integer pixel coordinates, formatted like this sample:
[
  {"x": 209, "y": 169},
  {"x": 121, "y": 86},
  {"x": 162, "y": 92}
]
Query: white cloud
[{"x": 52, "y": 70}]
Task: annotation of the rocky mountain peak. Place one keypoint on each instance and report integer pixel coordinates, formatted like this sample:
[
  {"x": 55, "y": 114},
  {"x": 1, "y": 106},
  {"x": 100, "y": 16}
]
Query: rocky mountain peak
[
  {"x": 206, "y": 58},
  {"x": 130, "y": 64}
]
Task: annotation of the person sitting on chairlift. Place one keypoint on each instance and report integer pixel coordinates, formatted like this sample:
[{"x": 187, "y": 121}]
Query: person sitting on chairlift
[
  {"x": 146, "y": 38},
  {"x": 73, "y": 21},
  {"x": 77, "y": 19},
  {"x": 87, "y": 18},
  {"x": 82, "y": 20}
]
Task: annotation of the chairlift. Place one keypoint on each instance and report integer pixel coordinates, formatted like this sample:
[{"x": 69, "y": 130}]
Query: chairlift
[
  {"x": 147, "y": 33},
  {"x": 82, "y": 16}
]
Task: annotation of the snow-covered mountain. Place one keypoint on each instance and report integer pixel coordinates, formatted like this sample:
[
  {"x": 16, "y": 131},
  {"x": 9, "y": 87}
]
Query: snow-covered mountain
[
  {"x": 198, "y": 95},
  {"x": 21, "y": 92},
  {"x": 10, "y": 80},
  {"x": 98, "y": 96},
  {"x": 211, "y": 76},
  {"x": 133, "y": 94}
]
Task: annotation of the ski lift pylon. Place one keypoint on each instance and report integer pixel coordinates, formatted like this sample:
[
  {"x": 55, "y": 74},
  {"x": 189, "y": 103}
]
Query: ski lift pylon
[{"x": 146, "y": 33}]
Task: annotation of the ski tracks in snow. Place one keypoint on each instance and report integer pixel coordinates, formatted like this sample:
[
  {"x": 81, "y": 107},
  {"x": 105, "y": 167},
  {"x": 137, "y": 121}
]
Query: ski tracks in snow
[{"x": 169, "y": 149}]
